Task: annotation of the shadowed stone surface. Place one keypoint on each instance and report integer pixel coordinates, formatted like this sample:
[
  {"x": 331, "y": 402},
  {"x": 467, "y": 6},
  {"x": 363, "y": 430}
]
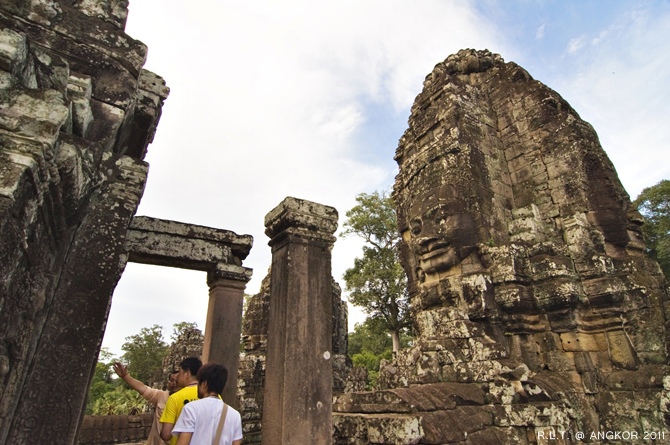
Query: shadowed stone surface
[
  {"x": 170, "y": 243},
  {"x": 527, "y": 275},
  {"x": 77, "y": 113}
]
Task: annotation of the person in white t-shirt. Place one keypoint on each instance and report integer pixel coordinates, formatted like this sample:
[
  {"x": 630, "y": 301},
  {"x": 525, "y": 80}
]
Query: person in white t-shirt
[{"x": 199, "y": 420}]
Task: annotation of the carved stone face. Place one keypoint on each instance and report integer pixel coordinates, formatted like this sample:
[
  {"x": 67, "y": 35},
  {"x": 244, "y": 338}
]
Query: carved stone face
[{"x": 442, "y": 232}]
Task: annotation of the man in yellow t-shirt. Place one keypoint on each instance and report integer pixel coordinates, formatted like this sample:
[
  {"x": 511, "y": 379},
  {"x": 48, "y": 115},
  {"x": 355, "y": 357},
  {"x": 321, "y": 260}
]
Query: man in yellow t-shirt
[{"x": 187, "y": 379}]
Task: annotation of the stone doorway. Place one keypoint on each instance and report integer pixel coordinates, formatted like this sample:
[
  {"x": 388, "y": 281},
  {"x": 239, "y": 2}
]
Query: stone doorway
[
  {"x": 217, "y": 252},
  {"x": 147, "y": 295}
]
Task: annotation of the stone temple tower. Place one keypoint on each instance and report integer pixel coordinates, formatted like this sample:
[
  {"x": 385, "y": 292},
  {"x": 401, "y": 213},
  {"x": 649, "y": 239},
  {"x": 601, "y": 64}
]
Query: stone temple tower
[{"x": 536, "y": 311}]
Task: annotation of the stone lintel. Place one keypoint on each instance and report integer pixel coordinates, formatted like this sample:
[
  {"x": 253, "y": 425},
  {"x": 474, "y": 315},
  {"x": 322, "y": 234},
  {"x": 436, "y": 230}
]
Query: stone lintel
[
  {"x": 188, "y": 246},
  {"x": 301, "y": 218},
  {"x": 229, "y": 272}
]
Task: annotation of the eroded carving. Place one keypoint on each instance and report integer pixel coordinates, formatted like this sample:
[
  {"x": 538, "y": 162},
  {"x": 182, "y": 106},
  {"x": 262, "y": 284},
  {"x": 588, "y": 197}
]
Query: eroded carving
[{"x": 525, "y": 263}]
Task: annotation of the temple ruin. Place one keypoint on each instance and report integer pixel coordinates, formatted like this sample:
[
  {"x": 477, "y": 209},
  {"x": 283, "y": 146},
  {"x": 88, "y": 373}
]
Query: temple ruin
[
  {"x": 77, "y": 112},
  {"x": 301, "y": 235},
  {"x": 537, "y": 314}
]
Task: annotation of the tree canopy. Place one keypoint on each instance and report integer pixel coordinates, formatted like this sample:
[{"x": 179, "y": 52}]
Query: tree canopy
[
  {"x": 180, "y": 328},
  {"x": 376, "y": 282},
  {"x": 144, "y": 352},
  {"x": 102, "y": 381},
  {"x": 654, "y": 205}
]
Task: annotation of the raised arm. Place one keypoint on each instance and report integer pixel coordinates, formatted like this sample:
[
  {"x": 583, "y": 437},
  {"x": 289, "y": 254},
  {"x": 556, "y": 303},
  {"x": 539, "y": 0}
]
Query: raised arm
[{"x": 122, "y": 371}]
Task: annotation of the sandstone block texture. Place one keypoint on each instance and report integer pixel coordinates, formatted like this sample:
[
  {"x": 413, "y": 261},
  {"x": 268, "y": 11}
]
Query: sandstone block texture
[
  {"x": 252, "y": 361},
  {"x": 298, "y": 383},
  {"x": 77, "y": 112},
  {"x": 537, "y": 314}
]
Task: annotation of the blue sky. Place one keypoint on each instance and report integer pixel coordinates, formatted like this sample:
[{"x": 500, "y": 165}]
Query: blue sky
[{"x": 308, "y": 99}]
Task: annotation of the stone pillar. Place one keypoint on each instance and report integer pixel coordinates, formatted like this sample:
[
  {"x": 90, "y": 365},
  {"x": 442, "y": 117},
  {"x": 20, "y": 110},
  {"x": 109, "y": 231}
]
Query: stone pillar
[
  {"x": 51, "y": 405},
  {"x": 297, "y": 407},
  {"x": 223, "y": 329}
]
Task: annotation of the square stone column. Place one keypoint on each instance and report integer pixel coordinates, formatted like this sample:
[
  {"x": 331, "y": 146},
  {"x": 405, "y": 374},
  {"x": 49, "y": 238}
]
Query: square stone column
[
  {"x": 298, "y": 393},
  {"x": 223, "y": 329}
]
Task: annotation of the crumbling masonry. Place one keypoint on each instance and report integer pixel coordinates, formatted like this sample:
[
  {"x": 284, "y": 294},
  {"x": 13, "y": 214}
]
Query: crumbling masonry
[
  {"x": 77, "y": 112},
  {"x": 536, "y": 311}
]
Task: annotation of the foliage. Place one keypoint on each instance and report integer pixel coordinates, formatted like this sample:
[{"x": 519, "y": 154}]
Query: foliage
[
  {"x": 377, "y": 282},
  {"x": 371, "y": 362},
  {"x": 179, "y": 328},
  {"x": 369, "y": 337},
  {"x": 120, "y": 401},
  {"x": 369, "y": 344},
  {"x": 102, "y": 381},
  {"x": 144, "y": 352},
  {"x": 654, "y": 205},
  {"x": 374, "y": 220}
]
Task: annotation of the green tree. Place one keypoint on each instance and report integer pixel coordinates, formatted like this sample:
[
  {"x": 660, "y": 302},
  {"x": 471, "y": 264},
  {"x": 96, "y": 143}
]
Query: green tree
[
  {"x": 181, "y": 327},
  {"x": 144, "y": 353},
  {"x": 120, "y": 401},
  {"x": 103, "y": 381},
  {"x": 377, "y": 282},
  {"x": 654, "y": 205},
  {"x": 368, "y": 336},
  {"x": 369, "y": 344}
]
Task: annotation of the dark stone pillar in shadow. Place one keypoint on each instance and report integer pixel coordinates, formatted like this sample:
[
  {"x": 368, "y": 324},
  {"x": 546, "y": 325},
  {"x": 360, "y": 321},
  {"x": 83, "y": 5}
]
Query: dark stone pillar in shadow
[
  {"x": 51, "y": 405},
  {"x": 298, "y": 394},
  {"x": 223, "y": 327}
]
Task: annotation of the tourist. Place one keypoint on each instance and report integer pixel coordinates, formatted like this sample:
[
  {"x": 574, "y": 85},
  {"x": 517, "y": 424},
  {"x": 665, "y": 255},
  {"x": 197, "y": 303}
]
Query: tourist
[
  {"x": 187, "y": 380},
  {"x": 156, "y": 397},
  {"x": 209, "y": 420}
]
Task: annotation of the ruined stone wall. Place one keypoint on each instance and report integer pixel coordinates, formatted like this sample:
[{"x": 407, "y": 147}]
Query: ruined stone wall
[
  {"x": 77, "y": 112},
  {"x": 108, "y": 430},
  {"x": 535, "y": 309}
]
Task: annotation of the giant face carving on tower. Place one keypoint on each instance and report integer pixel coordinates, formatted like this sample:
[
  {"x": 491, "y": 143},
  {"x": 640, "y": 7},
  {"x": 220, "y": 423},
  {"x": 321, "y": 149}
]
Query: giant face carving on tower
[
  {"x": 523, "y": 253},
  {"x": 442, "y": 232},
  {"x": 512, "y": 216}
]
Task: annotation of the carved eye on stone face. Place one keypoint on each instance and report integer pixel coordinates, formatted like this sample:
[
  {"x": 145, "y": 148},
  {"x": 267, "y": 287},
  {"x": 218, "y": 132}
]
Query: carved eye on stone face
[{"x": 415, "y": 226}]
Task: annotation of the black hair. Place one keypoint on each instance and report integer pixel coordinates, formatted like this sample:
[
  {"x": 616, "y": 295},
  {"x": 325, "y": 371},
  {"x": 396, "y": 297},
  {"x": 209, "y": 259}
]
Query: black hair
[
  {"x": 191, "y": 364},
  {"x": 215, "y": 375}
]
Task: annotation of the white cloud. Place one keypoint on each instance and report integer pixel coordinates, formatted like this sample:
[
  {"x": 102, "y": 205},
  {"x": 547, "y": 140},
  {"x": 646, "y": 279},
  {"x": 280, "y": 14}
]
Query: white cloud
[
  {"x": 619, "y": 85},
  {"x": 268, "y": 100},
  {"x": 271, "y": 99},
  {"x": 575, "y": 45}
]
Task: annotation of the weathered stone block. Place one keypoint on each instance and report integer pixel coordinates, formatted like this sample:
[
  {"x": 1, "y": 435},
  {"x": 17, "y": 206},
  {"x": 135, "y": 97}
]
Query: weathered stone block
[
  {"x": 621, "y": 351},
  {"x": 646, "y": 377},
  {"x": 576, "y": 341},
  {"x": 454, "y": 425}
]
